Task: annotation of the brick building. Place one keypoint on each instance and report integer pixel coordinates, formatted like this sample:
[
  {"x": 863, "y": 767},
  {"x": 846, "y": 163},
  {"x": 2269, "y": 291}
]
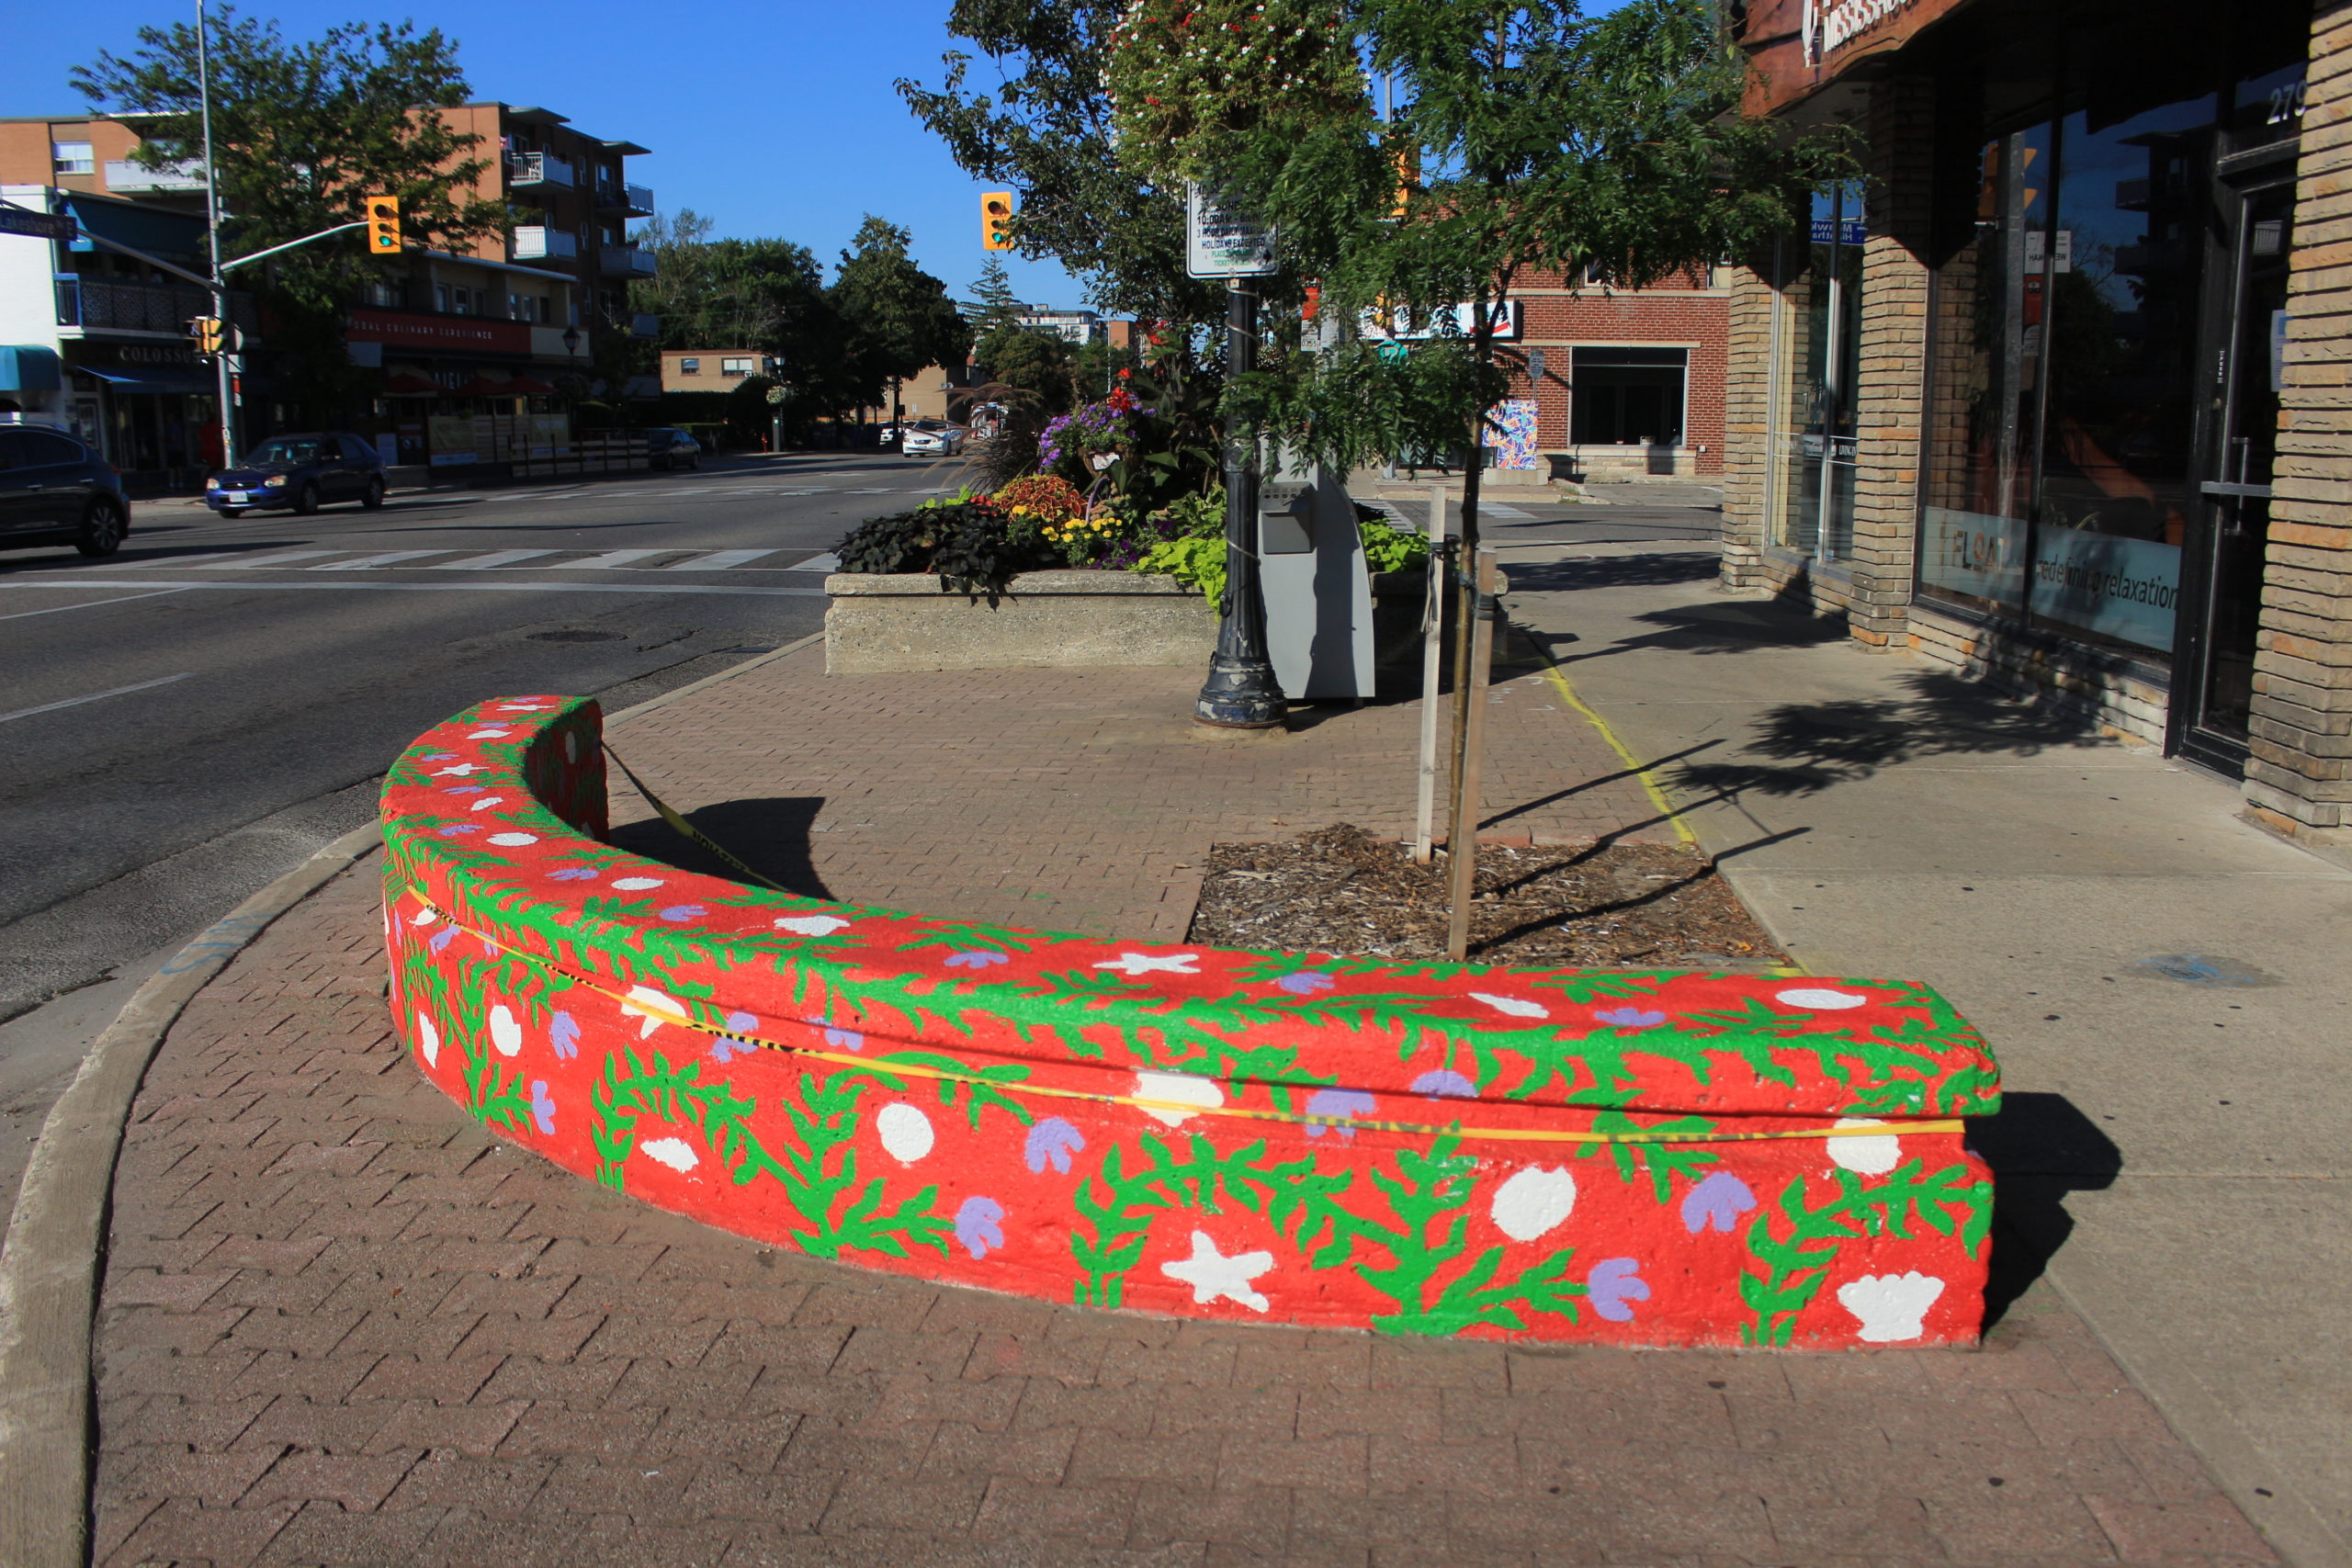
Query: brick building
[{"x": 2054, "y": 394}]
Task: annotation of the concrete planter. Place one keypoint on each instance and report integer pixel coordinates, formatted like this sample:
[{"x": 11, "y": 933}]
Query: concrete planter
[{"x": 1046, "y": 619}]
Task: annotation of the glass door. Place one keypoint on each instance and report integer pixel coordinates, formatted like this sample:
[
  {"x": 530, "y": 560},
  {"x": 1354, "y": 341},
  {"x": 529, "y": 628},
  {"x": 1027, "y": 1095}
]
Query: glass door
[{"x": 2214, "y": 682}]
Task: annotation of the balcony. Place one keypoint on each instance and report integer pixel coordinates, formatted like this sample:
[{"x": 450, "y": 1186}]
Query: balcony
[
  {"x": 624, "y": 261},
  {"x": 536, "y": 242},
  {"x": 537, "y": 171},
  {"x": 94, "y": 304},
  {"x": 630, "y": 200},
  {"x": 123, "y": 177}
]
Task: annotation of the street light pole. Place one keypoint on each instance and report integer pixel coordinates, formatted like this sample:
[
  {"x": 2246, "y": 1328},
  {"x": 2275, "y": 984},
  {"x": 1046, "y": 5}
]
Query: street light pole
[
  {"x": 224, "y": 374},
  {"x": 1240, "y": 692}
]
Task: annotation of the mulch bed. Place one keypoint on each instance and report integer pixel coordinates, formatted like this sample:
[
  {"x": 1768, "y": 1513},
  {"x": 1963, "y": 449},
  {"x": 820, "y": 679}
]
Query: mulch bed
[{"x": 1594, "y": 906}]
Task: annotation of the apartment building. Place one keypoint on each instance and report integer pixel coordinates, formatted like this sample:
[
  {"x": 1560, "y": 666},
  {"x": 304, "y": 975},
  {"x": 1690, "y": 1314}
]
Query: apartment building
[{"x": 713, "y": 370}]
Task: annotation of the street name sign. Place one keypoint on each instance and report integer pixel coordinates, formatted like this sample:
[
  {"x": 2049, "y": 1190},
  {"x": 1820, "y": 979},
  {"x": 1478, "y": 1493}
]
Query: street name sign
[{"x": 38, "y": 225}]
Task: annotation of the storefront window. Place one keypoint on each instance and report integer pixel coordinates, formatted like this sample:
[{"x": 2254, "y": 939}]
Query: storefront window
[{"x": 1824, "y": 302}]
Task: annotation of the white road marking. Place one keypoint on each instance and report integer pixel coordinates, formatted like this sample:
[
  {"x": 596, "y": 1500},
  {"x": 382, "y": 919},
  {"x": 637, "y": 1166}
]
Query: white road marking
[
  {"x": 122, "y": 599},
  {"x": 365, "y": 563},
  {"x": 489, "y": 562},
  {"x": 869, "y": 493},
  {"x": 1495, "y": 509},
  {"x": 826, "y": 562},
  {"x": 615, "y": 557},
  {"x": 718, "y": 560},
  {"x": 257, "y": 562},
  {"x": 95, "y": 697}
]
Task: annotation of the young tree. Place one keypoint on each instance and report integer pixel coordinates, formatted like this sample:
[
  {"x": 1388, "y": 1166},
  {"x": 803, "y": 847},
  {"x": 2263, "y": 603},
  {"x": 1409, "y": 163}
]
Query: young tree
[
  {"x": 897, "y": 317},
  {"x": 301, "y": 134},
  {"x": 994, "y": 304}
]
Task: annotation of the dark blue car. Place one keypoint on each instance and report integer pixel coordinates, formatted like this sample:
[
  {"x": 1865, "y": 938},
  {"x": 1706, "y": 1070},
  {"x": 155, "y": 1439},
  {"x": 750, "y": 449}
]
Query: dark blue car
[{"x": 303, "y": 472}]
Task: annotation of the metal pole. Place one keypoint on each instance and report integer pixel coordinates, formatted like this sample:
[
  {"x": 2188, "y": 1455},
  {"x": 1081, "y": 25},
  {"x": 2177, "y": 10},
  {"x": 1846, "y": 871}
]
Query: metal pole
[
  {"x": 224, "y": 385},
  {"x": 1470, "y": 692},
  {"x": 1240, "y": 692},
  {"x": 1432, "y": 663}
]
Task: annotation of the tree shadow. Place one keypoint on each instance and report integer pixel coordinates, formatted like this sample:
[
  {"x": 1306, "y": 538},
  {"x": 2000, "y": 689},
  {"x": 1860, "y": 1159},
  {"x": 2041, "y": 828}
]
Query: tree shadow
[
  {"x": 1663, "y": 568},
  {"x": 2042, "y": 1147},
  {"x": 770, "y": 835}
]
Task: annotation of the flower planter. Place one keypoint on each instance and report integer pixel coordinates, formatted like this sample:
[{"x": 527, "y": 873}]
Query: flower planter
[{"x": 1046, "y": 619}]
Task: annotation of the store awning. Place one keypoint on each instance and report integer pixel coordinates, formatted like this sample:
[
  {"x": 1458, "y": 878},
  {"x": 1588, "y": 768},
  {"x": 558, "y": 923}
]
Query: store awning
[
  {"x": 403, "y": 384},
  {"x": 529, "y": 387},
  {"x": 29, "y": 368},
  {"x": 129, "y": 378}
]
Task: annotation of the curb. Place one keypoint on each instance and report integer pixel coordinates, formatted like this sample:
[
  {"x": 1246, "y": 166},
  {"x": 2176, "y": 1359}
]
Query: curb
[{"x": 53, "y": 1262}]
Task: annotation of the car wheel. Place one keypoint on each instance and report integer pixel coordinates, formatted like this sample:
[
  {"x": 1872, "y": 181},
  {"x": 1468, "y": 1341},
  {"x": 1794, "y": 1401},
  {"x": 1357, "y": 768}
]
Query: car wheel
[
  {"x": 306, "y": 499},
  {"x": 102, "y": 530},
  {"x": 373, "y": 497}
]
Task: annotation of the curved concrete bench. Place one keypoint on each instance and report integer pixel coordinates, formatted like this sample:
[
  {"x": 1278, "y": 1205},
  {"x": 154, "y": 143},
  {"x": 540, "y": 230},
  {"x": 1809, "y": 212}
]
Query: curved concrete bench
[{"x": 1420, "y": 1148}]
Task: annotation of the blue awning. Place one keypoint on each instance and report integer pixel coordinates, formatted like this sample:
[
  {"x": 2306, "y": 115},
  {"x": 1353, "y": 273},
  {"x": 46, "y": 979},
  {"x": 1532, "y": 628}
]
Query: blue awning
[
  {"x": 29, "y": 369},
  {"x": 126, "y": 378}
]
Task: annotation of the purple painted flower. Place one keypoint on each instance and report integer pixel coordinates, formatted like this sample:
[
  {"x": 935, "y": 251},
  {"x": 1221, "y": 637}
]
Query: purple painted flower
[
  {"x": 464, "y": 789},
  {"x": 563, "y": 1034},
  {"x": 457, "y": 830},
  {"x": 542, "y": 1106},
  {"x": 1719, "y": 1202},
  {"x": 742, "y": 1022},
  {"x": 845, "y": 1039},
  {"x": 677, "y": 912},
  {"x": 979, "y": 1225},
  {"x": 976, "y": 958},
  {"x": 726, "y": 1048},
  {"x": 436, "y": 756},
  {"x": 1055, "y": 1140},
  {"x": 1307, "y": 982},
  {"x": 572, "y": 873},
  {"x": 1445, "y": 1083},
  {"x": 1628, "y": 1018},
  {"x": 441, "y": 937},
  {"x": 1612, "y": 1282},
  {"x": 1338, "y": 1102}
]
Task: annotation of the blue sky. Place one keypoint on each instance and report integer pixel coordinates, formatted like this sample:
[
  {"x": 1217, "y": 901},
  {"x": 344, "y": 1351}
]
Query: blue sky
[{"x": 776, "y": 120}]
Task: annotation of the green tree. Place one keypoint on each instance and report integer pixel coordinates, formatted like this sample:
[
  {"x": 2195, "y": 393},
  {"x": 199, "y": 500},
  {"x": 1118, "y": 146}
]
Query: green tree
[
  {"x": 302, "y": 133},
  {"x": 1036, "y": 362},
  {"x": 898, "y": 318},
  {"x": 764, "y": 295},
  {"x": 994, "y": 304}
]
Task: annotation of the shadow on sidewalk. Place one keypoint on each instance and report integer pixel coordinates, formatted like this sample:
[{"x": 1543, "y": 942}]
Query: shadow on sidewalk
[
  {"x": 2042, "y": 1147},
  {"x": 1611, "y": 572},
  {"x": 771, "y": 836}
]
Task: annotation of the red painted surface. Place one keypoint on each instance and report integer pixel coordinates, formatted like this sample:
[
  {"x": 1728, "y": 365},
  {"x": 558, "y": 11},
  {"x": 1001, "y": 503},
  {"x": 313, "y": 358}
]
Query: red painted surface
[{"x": 759, "y": 1061}]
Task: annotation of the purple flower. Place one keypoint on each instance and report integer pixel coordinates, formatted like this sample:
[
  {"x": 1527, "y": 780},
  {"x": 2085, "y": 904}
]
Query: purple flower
[
  {"x": 976, "y": 958},
  {"x": 1719, "y": 1201},
  {"x": 1307, "y": 982},
  {"x": 563, "y": 1034},
  {"x": 457, "y": 830},
  {"x": 684, "y": 912},
  {"x": 1445, "y": 1083},
  {"x": 726, "y": 1048},
  {"x": 1055, "y": 1140},
  {"x": 542, "y": 1106},
  {"x": 845, "y": 1039},
  {"x": 1338, "y": 1102},
  {"x": 1629, "y": 1018},
  {"x": 979, "y": 1227},
  {"x": 464, "y": 789},
  {"x": 441, "y": 937},
  {"x": 572, "y": 873},
  {"x": 1612, "y": 1282},
  {"x": 436, "y": 756},
  {"x": 742, "y": 1022}
]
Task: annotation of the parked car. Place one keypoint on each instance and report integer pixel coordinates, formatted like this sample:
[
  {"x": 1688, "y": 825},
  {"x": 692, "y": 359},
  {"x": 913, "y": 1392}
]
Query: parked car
[
  {"x": 305, "y": 472},
  {"x": 935, "y": 438},
  {"x": 55, "y": 490},
  {"x": 669, "y": 449}
]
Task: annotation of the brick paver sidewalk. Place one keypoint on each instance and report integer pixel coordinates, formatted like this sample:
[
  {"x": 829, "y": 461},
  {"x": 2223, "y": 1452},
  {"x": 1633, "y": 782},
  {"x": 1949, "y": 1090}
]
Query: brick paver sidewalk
[
  {"x": 341, "y": 1325},
  {"x": 1070, "y": 799}
]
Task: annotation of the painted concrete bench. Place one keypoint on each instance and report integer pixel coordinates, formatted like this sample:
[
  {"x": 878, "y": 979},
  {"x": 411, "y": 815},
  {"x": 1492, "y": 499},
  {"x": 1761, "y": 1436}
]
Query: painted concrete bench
[{"x": 1417, "y": 1148}]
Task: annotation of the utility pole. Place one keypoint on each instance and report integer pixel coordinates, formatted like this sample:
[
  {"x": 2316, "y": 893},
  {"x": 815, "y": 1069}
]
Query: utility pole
[
  {"x": 1240, "y": 692},
  {"x": 223, "y": 369}
]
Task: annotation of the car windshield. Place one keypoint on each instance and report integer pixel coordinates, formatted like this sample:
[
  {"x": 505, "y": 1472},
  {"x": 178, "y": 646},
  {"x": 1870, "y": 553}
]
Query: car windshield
[{"x": 283, "y": 451}]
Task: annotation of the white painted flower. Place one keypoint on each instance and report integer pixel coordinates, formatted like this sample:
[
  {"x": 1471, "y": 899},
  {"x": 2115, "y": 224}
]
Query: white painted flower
[
  {"x": 1533, "y": 1202},
  {"x": 1215, "y": 1277},
  {"x": 504, "y": 1031},
  {"x": 1865, "y": 1157},
  {"x": 491, "y": 734},
  {"x": 1890, "y": 1306},
  {"x": 425, "y": 915},
  {"x": 428, "y": 1040},
  {"x": 654, "y": 1008},
  {"x": 1819, "y": 998},
  {"x": 636, "y": 884},
  {"x": 487, "y": 800},
  {"x": 905, "y": 1131},
  {"x": 1517, "y": 1007},
  {"x": 459, "y": 770},
  {"x": 523, "y": 707},
  {"x": 513, "y": 840},
  {"x": 1153, "y": 964},
  {"x": 675, "y": 1153},
  {"x": 813, "y": 925},
  {"x": 571, "y": 745},
  {"x": 1183, "y": 1088}
]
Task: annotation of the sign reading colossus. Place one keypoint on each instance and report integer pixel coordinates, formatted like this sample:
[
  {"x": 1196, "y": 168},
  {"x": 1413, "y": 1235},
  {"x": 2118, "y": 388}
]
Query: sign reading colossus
[{"x": 1831, "y": 28}]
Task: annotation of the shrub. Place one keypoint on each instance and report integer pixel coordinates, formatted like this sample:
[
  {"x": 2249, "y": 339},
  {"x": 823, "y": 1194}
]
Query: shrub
[
  {"x": 972, "y": 546},
  {"x": 1048, "y": 498}
]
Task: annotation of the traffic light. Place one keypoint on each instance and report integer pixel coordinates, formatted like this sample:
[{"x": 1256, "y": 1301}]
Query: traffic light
[
  {"x": 211, "y": 333},
  {"x": 996, "y": 220},
  {"x": 383, "y": 226}
]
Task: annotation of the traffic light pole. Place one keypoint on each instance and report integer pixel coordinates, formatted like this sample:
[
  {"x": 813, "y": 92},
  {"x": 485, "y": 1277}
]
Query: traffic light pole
[
  {"x": 1240, "y": 692},
  {"x": 225, "y": 374}
]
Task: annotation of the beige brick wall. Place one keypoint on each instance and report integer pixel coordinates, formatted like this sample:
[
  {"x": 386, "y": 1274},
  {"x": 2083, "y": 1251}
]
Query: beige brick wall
[
  {"x": 2300, "y": 774},
  {"x": 1747, "y": 434}
]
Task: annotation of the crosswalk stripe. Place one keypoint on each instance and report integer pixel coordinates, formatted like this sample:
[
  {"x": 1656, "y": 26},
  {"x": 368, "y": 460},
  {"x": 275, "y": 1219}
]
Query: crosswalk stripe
[
  {"x": 826, "y": 562},
  {"x": 614, "y": 558},
  {"x": 239, "y": 562},
  {"x": 1495, "y": 509},
  {"x": 365, "y": 563},
  {"x": 718, "y": 560},
  {"x": 485, "y": 563}
]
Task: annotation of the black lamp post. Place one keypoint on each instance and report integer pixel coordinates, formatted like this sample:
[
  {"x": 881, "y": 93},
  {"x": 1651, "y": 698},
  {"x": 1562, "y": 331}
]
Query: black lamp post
[{"x": 1241, "y": 692}]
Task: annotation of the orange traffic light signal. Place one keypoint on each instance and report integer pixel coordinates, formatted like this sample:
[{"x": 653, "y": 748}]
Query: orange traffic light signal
[
  {"x": 383, "y": 226},
  {"x": 210, "y": 334},
  {"x": 996, "y": 220}
]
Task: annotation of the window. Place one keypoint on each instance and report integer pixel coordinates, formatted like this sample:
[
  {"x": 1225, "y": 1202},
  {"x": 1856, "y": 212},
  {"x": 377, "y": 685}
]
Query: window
[
  {"x": 72, "y": 158},
  {"x": 1628, "y": 395},
  {"x": 1825, "y": 336},
  {"x": 739, "y": 366},
  {"x": 465, "y": 300},
  {"x": 441, "y": 297},
  {"x": 690, "y": 366}
]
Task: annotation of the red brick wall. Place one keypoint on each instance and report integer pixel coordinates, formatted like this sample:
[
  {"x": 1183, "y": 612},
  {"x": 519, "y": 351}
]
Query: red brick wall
[{"x": 1670, "y": 315}]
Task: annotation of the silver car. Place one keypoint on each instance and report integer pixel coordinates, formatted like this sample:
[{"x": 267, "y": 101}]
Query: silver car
[{"x": 935, "y": 438}]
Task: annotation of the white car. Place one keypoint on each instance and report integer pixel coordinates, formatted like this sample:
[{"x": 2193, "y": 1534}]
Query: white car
[{"x": 934, "y": 440}]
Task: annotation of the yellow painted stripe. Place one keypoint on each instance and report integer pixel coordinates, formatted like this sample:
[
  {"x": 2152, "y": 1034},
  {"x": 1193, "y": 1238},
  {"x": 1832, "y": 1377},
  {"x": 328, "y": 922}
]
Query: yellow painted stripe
[{"x": 1650, "y": 785}]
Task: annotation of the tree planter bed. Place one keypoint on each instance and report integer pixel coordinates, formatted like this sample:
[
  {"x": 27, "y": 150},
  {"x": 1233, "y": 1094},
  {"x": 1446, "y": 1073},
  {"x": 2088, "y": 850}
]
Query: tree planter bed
[
  {"x": 1434, "y": 1149},
  {"x": 880, "y": 624}
]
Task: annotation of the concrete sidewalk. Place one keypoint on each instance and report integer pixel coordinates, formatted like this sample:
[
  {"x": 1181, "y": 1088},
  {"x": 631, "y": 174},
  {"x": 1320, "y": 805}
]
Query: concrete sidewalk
[
  {"x": 2166, "y": 984},
  {"x": 343, "y": 1325}
]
